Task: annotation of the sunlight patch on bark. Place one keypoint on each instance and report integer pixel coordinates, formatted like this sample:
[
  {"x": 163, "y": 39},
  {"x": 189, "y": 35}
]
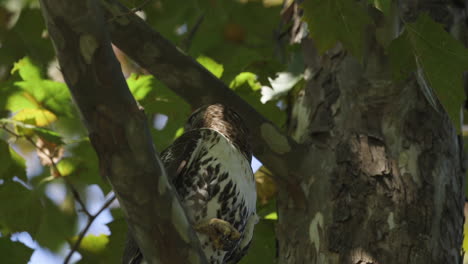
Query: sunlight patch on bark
[
  {"x": 360, "y": 256},
  {"x": 88, "y": 46},
  {"x": 301, "y": 114},
  {"x": 314, "y": 227},
  {"x": 391, "y": 221},
  {"x": 408, "y": 163}
]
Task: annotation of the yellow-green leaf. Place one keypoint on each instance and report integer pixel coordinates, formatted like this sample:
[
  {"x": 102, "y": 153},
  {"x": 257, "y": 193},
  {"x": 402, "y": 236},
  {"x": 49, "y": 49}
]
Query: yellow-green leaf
[{"x": 37, "y": 117}]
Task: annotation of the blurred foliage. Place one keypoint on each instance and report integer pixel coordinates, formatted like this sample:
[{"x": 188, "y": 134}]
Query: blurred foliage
[
  {"x": 103, "y": 249},
  {"x": 237, "y": 41},
  {"x": 14, "y": 252},
  {"x": 331, "y": 21}
]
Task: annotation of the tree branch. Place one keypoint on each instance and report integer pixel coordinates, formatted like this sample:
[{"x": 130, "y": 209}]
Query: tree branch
[
  {"x": 198, "y": 86},
  {"x": 119, "y": 133},
  {"x": 83, "y": 232}
]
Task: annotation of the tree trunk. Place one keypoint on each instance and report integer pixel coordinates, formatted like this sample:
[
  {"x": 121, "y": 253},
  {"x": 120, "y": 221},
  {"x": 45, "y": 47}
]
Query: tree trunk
[{"x": 383, "y": 179}]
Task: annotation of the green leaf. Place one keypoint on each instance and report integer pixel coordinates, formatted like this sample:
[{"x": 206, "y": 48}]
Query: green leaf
[
  {"x": 37, "y": 93},
  {"x": 162, "y": 100},
  {"x": 19, "y": 100},
  {"x": 84, "y": 163},
  {"x": 263, "y": 248},
  {"x": 272, "y": 216},
  {"x": 55, "y": 226},
  {"x": 330, "y": 21},
  {"x": 23, "y": 210},
  {"x": 27, "y": 210},
  {"x": 92, "y": 244},
  {"x": 102, "y": 249},
  {"x": 67, "y": 166},
  {"x": 5, "y": 158},
  {"x": 140, "y": 85},
  {"x": 232, "y": 33},
  {"x": 27, "y": 70},
  {"x": 245, "y": 77},
  {"x": 36, "y": 117},
  {"x": 12, "y": 163},
  {"x": 25, "y": 38},
  {"x": 215, "y": 68},
  {"x": 14, "y": 252},
  {"x": 441, "y": 58},
  {"x": 27, "y": 129}
]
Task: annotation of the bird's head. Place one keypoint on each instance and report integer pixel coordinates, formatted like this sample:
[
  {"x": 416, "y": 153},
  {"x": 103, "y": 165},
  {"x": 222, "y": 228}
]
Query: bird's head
[{"x": 223, "y": 120}]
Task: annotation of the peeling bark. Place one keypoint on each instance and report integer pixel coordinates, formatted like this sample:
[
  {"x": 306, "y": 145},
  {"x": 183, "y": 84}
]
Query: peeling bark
[
  {"x": 119, "y": 133},
  {"x": 383, "y": 179}
]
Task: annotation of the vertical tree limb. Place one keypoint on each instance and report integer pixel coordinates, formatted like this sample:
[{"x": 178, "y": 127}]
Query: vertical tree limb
[{"x": 119, "y": 133}]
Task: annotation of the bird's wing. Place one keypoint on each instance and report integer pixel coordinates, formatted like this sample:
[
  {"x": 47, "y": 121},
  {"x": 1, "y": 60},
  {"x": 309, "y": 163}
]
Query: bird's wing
[{"x": 175, "y": 159}]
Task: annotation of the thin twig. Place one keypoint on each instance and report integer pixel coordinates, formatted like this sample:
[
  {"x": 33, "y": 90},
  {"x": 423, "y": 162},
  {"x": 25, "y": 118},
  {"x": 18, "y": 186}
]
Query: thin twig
[
  {"x": 191, "y": 34},
  {"x": 131, "y": 11},
  {"x": 85, "y": 230},
  {"x": 91, "y": 217},
  {"x": 74, "y": 191}
]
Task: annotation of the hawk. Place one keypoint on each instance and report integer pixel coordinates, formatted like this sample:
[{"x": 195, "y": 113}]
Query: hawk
[{"x": 210, "y": 168}]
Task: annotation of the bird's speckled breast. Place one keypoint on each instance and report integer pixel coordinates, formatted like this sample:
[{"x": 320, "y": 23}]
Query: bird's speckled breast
[{"x": 218, "y": 183}]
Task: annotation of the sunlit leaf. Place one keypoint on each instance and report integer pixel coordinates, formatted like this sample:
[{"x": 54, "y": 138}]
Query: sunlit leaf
[
  {"x": 272, "y": 216},
  {"x": 140, "y": 85},
  {"x": 92, "y": 244},
  {"x": 27, "y": 70},
  {"x": 37, "y": 117},
  {"x": 283, "y": 82},
  {"x": 20, "y": 100},
  {"x": 245, "y": 77},
  {"x": 34, "y": 92},
  {"x": 215, "y": 68},
  {"x": 67, "y": 166}
]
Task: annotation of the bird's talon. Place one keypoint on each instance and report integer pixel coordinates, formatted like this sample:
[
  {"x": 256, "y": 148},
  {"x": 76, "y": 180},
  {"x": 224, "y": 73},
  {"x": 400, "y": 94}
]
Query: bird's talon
[{"x": 221, "y": 232}]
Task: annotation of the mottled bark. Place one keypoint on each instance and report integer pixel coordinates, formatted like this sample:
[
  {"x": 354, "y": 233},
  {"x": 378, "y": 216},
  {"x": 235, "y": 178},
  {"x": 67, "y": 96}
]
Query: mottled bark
[
  {"x": 383, "y": 178},
  {"x": 119, "y": 133}
]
